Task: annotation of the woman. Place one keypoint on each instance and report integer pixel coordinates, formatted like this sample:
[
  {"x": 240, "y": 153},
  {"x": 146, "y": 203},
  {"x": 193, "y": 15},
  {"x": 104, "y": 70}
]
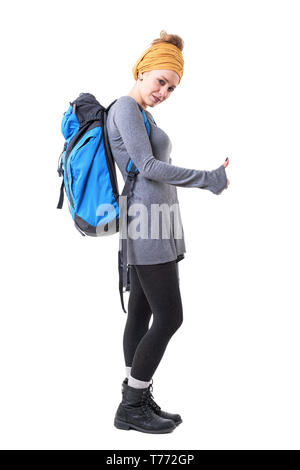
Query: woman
[{"x": 152, "y": 256}]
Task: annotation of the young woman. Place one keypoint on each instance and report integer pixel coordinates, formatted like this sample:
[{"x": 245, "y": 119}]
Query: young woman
[{"x": 153, "y": 251}]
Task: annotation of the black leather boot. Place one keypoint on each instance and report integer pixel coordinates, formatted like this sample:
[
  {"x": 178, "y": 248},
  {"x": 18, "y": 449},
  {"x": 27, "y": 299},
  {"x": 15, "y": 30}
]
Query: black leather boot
[
  {"x": 157, "y": 409},
  {"x": 134, "y": 412}
]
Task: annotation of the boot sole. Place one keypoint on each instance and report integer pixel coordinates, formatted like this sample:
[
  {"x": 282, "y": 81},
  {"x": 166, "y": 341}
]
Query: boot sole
[{"x": 126, "y": 427}]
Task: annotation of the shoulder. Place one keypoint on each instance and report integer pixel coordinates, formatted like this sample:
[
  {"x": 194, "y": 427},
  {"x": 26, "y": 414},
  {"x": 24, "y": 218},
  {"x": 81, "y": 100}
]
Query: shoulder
[
  {"x": 127, "y": 102},
  {"x": 126, "y": 107}
]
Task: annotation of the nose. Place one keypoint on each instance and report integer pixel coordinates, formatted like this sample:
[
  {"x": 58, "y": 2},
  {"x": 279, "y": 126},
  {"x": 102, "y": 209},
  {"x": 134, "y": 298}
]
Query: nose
[{"x": 163, "y": 94}]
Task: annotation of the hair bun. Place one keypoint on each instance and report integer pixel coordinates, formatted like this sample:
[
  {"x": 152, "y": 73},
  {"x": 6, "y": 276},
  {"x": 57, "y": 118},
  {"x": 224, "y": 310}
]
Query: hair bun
[{"x": 171, "y": 38}]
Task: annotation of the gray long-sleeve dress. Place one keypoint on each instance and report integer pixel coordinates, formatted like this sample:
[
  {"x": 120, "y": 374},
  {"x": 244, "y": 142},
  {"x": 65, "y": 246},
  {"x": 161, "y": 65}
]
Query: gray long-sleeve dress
[{"x": 156, "y": 237}]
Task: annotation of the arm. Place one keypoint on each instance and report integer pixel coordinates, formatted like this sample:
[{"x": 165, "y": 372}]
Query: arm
[{"x": 130, "y": 122}]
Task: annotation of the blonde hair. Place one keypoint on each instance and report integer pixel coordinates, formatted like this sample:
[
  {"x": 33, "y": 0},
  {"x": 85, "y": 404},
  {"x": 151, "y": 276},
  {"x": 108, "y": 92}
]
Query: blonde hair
[{"x": 171, "y": 38}]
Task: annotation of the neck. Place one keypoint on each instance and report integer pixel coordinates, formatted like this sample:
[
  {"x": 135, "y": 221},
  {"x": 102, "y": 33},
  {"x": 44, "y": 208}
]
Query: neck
[{"x": 135, "y": 95}]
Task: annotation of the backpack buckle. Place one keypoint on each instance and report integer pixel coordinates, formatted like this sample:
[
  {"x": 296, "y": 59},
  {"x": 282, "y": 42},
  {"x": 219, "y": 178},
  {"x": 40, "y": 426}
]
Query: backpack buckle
[
  {"x": 60, "y": 171},
  {"x": 131, "y": 175}
]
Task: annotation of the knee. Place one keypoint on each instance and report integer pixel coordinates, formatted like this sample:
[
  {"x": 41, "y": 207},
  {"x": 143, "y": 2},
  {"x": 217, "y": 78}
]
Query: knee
[
  {"x": 177, "y": 320},
  {"x": 180, "y": 319}
]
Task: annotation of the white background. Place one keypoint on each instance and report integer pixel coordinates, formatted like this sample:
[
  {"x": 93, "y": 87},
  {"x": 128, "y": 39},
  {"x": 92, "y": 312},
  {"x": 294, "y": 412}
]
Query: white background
[{"x": 232, "y": 369}]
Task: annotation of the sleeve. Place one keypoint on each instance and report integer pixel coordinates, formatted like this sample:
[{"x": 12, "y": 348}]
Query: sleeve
[{"x": 129, "y": 120}]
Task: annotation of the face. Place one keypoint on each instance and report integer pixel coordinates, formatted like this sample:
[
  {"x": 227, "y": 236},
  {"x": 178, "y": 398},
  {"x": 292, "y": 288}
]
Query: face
[{"x": 157, "y": 83}]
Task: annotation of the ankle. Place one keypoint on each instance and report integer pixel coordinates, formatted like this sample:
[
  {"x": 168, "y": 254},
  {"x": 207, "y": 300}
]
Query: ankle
[{"x": 135, "y": 383}]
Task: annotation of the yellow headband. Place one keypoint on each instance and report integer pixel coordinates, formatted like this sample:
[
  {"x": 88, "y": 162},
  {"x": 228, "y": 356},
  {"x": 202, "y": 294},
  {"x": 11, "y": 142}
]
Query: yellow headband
[{"x": 160, "y": 56}]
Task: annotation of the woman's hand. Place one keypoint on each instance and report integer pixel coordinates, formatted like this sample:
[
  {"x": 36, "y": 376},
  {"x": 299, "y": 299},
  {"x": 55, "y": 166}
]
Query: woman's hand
[{"x": 225, "y": 165}]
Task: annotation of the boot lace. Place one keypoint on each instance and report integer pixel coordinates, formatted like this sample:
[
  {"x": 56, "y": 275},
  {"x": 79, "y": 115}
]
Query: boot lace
[
  {"x": 150, "y": 398},
  {"x": 145, "y": 405}
]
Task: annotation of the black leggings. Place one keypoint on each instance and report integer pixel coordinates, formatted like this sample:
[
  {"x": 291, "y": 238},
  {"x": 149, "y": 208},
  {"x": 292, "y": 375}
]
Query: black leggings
[{"x": 154, "y": 289}]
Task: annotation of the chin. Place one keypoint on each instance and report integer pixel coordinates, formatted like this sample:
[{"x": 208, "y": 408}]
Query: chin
[{"x": 153, "y": 103}]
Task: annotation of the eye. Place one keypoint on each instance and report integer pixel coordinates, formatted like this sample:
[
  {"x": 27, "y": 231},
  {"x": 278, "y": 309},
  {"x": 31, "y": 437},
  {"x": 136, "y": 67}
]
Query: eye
[{"x": 172, "y": 89}]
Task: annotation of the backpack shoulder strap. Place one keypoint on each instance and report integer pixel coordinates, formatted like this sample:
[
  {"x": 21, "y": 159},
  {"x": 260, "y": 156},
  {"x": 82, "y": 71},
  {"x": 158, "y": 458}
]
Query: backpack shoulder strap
[{"x": 124, "y": 276}]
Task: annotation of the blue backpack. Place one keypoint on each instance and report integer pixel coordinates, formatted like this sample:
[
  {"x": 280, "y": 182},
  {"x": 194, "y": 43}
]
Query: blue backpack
[{"x": 89, "y": 176}]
